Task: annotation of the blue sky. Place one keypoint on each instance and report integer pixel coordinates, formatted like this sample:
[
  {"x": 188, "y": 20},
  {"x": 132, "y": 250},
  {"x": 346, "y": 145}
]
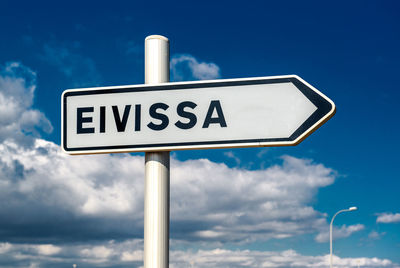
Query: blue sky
[{"x": 259, "y": 207}]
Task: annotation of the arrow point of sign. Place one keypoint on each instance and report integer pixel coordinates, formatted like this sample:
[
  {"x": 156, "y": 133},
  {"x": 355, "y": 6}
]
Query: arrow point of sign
[{"x": 325, "y": 109}]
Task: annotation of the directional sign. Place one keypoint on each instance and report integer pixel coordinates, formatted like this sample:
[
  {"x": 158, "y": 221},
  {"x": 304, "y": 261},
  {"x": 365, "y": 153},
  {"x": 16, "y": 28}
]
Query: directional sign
[{"x": 250, "y": 112}]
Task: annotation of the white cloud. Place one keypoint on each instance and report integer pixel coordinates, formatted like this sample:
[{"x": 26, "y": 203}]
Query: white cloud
[
  {"x": 241, "y": 205},
  {"x": 232, "y": 156},
  {"x": 85, "y": 185},
  {"x": 374, "y": 235},
  {"x": 342, "y": 232},
  {"x": 249, "y": 258},
  {"x": 187, "y": 67},
  {"x": 5, "y": 247},
  {"x": 210, "y": 199},
  {"x": 129, "y": 253},
  {"x": 263, "y": 152},
  {"x": 34, "y": 265},
  {"x": 97, "y": 253},
  {"x": 388, "y": 217},
  {"x": 48, "y": 249},
  {"x": 132, "y": 256},
  {"x": 19, "y": 122}
]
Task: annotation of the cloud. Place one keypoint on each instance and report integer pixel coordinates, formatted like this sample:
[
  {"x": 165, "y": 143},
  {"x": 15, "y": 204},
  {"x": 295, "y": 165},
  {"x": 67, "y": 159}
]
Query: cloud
[
  {"x": 248, "y": 258},
  {"x": 211, "y": 201},
  {"x": 342, "y": 232},
  {"x": 5, "y": 247},
  {"x": 98, "y": 253},
  {"x": 186, "y": 67},
  {"x": 129, "y": 253},
  {"x": 80, "y": 70},
  {"x": 231, "y": 155},
  {"x": 388, "y": 218},
  {"x": 374, "y": 235},
  {"x": 47, "y": 249},
  {"x": 19, "y": 121},
  {"x": 63, "y": 197},
  {"x": 92, "y": 254},
  {"x": 101, "y": 196}
]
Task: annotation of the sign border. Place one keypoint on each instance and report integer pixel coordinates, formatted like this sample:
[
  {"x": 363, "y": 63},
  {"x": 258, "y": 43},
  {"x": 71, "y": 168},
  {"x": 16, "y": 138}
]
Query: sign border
[{"x": 325, "y": 110}]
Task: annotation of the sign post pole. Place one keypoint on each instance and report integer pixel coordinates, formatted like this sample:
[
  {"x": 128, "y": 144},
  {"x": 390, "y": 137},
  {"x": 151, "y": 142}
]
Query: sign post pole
[{"x": 156, "y": 195}]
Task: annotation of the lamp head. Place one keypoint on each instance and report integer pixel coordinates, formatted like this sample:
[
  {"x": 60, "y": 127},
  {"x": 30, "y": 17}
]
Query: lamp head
[{"x": 352, "y": 208}]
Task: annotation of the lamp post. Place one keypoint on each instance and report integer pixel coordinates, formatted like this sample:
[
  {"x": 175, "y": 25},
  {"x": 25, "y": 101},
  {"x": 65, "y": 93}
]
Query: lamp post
[{"x": 330, "y": 228}]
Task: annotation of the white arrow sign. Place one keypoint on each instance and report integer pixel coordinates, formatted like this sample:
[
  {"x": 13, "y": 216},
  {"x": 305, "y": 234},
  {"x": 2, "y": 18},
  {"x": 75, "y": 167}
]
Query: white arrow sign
[{"x": 250, "y": 112}]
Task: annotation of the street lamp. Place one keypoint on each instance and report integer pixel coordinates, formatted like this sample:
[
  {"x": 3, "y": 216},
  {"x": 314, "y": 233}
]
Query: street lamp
[{"x": 330, "y": 228}]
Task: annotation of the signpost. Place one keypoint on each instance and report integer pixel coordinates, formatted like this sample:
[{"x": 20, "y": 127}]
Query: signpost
[
  {"x": 250, "y": 112},
  {"x": 156, "y": 189},
  {"x": 159, "y": 117}
]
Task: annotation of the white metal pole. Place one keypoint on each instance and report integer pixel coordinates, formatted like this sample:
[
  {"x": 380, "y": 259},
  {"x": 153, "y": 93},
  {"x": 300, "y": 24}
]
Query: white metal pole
[
  {"x": 330, "y": 231},
  {"x": 156, "y": 197}
]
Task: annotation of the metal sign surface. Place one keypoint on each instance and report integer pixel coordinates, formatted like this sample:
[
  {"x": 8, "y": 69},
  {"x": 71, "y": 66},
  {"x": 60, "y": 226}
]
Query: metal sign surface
[{"x": 249, "y": 112}]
